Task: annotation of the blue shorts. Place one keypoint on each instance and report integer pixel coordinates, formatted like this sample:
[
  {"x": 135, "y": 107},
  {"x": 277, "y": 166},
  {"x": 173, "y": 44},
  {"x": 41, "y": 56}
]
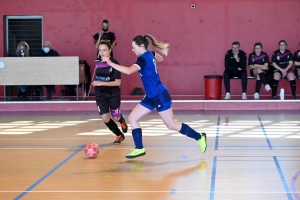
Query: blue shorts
[{"x": 161, "y": 101}]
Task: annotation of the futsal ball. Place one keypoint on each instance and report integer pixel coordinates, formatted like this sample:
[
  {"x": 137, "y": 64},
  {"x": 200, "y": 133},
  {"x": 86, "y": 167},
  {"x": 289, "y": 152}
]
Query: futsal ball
[{"x": 91, "y": 150}]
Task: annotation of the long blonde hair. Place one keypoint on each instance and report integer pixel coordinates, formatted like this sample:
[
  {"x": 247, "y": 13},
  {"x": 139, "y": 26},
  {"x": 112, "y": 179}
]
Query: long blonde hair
[
  {"x": 23, "y": 43},
  {"x": 143, "y": 40}
]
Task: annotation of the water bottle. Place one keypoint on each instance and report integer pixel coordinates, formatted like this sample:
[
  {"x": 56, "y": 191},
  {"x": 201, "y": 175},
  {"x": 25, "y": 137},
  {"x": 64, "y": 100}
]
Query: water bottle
[{"x": 281, "y": 94}]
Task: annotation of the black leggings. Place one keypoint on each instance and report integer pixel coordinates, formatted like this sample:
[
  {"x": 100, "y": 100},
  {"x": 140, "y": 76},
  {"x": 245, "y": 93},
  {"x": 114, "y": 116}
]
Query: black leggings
[{"x": 242, "y": 74}]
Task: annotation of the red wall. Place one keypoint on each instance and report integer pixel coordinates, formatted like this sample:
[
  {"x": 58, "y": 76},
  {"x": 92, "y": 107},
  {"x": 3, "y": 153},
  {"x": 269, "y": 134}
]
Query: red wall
[{"x": 199, "y": 37}]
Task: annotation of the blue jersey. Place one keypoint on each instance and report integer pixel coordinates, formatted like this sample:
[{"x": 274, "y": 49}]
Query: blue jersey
[{"x": 148, "y": 72}]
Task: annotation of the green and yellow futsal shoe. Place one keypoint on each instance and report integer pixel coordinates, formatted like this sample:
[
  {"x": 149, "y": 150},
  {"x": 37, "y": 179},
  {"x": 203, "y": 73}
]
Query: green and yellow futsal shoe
[
  {"x": 136, "y": 153},
  {"x": 202, "y": 142}
]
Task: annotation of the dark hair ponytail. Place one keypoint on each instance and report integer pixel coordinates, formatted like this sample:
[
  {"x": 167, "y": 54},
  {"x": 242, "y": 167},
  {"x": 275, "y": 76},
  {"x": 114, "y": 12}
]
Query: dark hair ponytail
[{"x": 143, "y": 40}]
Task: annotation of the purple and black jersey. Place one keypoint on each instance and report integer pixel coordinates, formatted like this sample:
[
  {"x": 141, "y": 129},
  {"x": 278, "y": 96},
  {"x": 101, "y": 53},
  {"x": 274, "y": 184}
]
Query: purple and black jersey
[
  {"x": 282, "y": 59},
  {"x": 258, "y": 60},
  {"x": 106, "y": 73},
  {"x": 297, "y": 56},
  {"x": 110, "y": 37}
]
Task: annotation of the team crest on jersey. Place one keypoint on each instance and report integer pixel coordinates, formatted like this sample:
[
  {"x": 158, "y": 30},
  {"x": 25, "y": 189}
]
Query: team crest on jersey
[
  {"x": 110, "y": 70},
  {"x": 278, "y": 57},
  {"x": 107, "y": 79}
]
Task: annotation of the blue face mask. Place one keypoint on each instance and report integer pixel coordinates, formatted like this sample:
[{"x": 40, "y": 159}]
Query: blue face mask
[{"x": 46, "y": 49}]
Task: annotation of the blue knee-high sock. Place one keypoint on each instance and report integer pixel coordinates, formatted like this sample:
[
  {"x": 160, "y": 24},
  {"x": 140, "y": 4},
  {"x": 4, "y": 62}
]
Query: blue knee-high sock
[
  {"x": 188, "y": 131},
  {"x": 137, "y": 138}
]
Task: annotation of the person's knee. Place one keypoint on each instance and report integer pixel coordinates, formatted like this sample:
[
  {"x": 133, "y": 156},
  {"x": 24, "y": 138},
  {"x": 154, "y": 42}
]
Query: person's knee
[
  {"x": 131, "y": 119},
  {"x": 105, "y": 118},
  {"x": 172, "y": 126}
]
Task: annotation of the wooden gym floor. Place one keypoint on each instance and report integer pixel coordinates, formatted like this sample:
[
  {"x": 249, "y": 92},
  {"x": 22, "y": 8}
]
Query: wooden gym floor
[{"x": 250, "y": 155}]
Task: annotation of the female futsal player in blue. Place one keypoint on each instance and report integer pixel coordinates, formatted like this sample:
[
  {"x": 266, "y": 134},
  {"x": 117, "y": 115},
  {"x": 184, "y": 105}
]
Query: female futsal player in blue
[{"x": 157, "y": 95}]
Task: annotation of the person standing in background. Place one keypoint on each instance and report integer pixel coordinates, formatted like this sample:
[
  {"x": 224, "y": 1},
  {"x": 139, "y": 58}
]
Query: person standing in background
[{"x": 104, "y": 34}]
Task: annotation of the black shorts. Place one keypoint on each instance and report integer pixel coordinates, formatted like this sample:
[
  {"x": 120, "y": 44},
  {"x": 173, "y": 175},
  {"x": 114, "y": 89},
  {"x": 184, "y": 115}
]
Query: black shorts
[
  {"x": 252, "y": 74},
  {"x": 107, "y": 103},
  {"x": 289, "y": 71},
  {"x": 161, "y": 101}
]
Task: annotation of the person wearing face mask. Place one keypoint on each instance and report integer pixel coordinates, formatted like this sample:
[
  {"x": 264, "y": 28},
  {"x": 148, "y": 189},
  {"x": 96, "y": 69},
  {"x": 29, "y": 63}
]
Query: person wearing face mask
[
  {"x": 22, "y": 51},
  {"x": 104, "y": 34},
  {"x": 48, "y": 51}
]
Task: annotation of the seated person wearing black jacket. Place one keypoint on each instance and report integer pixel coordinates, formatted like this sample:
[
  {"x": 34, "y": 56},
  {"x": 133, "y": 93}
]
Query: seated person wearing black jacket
[
  {"x": 48, "y": 51},
  {"x": 22, "y": 51},
  {"x": 235, "y": 66}
]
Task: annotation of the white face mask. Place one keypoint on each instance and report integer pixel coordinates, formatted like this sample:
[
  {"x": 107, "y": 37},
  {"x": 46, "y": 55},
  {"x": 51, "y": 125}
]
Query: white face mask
[{"x": 46, "y": 49}]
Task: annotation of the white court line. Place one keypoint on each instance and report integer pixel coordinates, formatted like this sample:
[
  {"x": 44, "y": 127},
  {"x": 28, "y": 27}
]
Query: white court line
[
  {"x": 144, "y": 137},
  {"x": 30, "y": 148},
  {"x": 145, "y": 191}
]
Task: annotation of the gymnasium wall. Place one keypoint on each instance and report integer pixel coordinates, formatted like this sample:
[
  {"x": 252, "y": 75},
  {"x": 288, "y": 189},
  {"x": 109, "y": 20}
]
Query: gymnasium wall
[{"x": 199, "y": 37}]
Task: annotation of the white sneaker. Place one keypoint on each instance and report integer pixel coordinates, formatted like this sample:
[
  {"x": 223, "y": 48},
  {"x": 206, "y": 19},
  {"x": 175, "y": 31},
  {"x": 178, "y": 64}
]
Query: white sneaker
[
  {"x": 256, "y": 95},
  {"x": 244, "y": 96},
  {"x": 228, "y": 96},
  {"x": 267, "y": 87}
]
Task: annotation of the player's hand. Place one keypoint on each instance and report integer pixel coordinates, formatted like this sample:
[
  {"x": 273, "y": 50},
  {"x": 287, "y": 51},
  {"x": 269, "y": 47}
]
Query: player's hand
[
  {"x": 105, "y": 59},
  {"x": 283, "y": 73},
  {"x": 96, "y": 83},
  {"x": 236, "y": 57}
]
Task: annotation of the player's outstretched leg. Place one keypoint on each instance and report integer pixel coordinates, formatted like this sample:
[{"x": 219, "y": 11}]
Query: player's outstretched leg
[
  {"x": 168, "y": 118},
  {"x": 139, "y": 148},
  {"x": 138, "y": 112},
  {"x": 202, "y": 142},
  {"x": 123, "y": 124},
  {"x": 115, "y": 129},
  {"x": 201, "y": 138}
]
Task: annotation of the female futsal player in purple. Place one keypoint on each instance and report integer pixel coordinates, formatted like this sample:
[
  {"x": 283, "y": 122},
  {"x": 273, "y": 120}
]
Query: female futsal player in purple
[
  {"x": 282, "y": 61},
  {"x": 258, "y": 62},
  {"x": 108, "y": 94},
  {"x": 157, "y": 95}
]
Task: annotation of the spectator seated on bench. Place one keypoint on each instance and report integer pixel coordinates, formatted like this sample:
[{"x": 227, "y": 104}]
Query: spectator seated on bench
[
  {"x": 259, "y": 62},
  {"x": 282, "y": 61},
  {"x": 235, "y": 66}
]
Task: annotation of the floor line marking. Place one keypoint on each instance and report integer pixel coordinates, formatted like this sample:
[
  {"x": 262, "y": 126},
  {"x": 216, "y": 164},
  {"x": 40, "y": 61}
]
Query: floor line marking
[
  {"x": 48, "y": 174},
  {"x": 217, "y": 134},
  {"x": 293, "y": 186},
  {"x": 286, "y": 187},
  {"x": 265, "y": 133},
  {"x": 213, "y": 179}
]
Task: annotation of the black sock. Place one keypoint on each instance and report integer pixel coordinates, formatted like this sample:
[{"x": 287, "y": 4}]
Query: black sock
[
  {"x": 113, "y": 127},
  {"x": 293, "y": 87},
  {"x": 274, "y": 87},
  {"x": 122, "y": 119},
  {"x": 258, "y": 85},
  {"x": 262, "y": 78},
  {"x": 188, "y": 131}
]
